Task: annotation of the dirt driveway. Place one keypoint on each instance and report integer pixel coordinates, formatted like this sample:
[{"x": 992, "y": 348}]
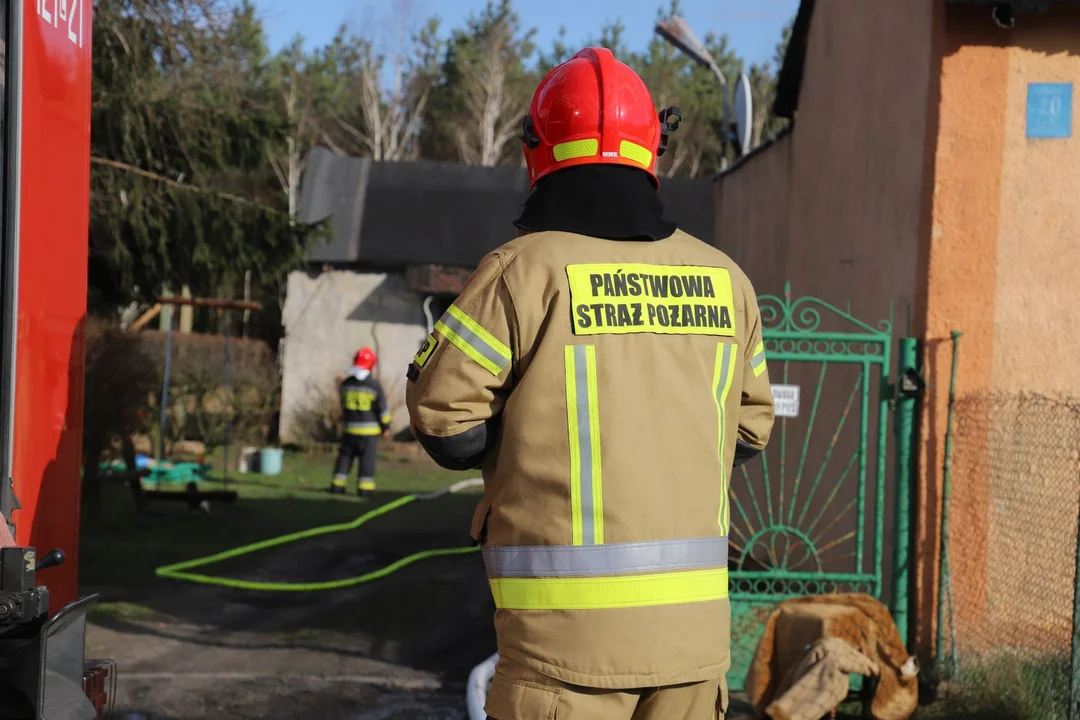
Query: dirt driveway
[
  {"x": 401, "y": 647},
  {"x": 398, "y": 648}
]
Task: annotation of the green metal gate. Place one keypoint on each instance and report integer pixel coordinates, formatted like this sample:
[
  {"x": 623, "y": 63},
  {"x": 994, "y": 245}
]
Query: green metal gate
[{"x": 809, "y": 516}]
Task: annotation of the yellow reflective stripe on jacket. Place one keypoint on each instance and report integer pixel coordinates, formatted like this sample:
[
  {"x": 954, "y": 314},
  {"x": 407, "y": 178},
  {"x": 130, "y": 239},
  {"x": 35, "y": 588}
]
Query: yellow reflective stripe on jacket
[
  {"x": 386, "y": 418},
  {"x": 466, "y": 335},
  {"x": 594, "y": 593},
  {"x": 757, "y": 362},
  {"x": 583, "y": 422},
  {"x": 722, "y": 375},
  {"x": 363, "y": 428}
]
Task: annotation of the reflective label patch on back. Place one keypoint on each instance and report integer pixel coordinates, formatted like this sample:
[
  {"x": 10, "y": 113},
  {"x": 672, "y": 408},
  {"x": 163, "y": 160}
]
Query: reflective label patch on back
[
  {"x": 621, "y": 299},
  {"x": 359, "y": 400}
]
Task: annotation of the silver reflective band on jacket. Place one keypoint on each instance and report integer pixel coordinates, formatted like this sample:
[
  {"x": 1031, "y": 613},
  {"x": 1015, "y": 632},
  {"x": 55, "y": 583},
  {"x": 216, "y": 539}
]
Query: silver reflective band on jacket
[{"x": 600, "y": 560}]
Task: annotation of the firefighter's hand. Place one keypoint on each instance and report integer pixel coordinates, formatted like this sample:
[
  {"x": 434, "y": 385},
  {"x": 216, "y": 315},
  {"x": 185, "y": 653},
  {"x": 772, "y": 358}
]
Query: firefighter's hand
[{"x": 386, "y": 434}]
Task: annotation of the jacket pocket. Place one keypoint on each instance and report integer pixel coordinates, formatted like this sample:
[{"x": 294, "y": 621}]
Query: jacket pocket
[{"x": 520, "y": 700}]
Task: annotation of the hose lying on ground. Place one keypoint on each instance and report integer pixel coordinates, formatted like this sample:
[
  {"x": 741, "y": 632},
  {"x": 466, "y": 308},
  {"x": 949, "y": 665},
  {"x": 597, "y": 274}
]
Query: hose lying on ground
[{"x": 177, "y": 571}]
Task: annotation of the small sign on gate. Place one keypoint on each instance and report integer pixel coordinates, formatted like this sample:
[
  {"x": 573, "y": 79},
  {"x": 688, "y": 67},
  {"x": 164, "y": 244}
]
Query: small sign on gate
[{"x": 786, "y": 400}]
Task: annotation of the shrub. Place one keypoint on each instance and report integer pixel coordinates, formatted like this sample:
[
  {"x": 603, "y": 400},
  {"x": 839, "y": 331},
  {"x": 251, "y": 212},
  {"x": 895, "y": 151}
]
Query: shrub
[
  {"x": 318, "y": 422},
  {"x": 120, "y": 379},
  {"x": 200, "y": 405}
]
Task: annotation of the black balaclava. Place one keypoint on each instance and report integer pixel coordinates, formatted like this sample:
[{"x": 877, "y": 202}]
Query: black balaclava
[{"x": 614, "y": 202}]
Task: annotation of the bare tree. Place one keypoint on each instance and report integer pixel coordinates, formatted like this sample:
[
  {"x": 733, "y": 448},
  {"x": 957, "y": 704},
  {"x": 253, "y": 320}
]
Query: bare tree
[
  {"x": 370, "y": 119},
  {"x": 484, "y": 84},
  {"x": 763, "y": 95},
  {"x": 295, "y": 86},
  {"x": 387, "y": 122},
  {"x": 493, "y": 108}
]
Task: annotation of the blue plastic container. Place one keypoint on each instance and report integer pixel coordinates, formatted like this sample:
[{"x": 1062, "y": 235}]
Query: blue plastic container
[{"x": 270, "y": 461}]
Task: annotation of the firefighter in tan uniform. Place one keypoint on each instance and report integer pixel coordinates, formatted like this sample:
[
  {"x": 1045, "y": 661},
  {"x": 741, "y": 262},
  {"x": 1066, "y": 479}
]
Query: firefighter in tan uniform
[{"x": 605, "y": 370}]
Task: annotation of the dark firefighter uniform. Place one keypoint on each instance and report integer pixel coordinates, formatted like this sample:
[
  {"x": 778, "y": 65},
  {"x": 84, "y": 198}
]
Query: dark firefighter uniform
[
  {"x": 365, "y": 418},
  {"x": 606, "y": 371}
]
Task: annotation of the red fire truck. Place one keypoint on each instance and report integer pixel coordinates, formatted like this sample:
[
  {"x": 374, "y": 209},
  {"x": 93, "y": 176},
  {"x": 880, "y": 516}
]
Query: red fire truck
[{"x": 44, "y": 207}]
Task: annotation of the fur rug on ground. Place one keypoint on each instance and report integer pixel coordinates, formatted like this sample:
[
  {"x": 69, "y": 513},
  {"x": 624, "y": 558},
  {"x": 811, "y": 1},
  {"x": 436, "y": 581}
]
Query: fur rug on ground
[{"x": 810, "y": 645}]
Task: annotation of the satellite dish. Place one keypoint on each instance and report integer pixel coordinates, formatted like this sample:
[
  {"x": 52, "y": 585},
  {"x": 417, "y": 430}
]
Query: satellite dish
[{"x": 743, "y": 119}]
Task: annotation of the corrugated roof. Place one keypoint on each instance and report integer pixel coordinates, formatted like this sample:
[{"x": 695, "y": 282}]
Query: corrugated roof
[{"x": 395, "y": 214}]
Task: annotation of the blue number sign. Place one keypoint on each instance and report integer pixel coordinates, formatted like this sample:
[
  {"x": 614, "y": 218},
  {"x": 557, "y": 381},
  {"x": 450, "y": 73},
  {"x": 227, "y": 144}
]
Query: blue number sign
[{"x": 1049, "y": 110}]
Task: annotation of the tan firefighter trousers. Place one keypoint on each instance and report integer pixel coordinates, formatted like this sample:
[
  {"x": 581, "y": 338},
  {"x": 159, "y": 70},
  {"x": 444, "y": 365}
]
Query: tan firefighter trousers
[{"x": 518, "y": 693}]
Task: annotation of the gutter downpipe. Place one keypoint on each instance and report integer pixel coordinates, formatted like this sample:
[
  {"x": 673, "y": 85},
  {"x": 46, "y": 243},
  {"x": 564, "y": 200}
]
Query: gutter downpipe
[{"x": 427, "y": 314}]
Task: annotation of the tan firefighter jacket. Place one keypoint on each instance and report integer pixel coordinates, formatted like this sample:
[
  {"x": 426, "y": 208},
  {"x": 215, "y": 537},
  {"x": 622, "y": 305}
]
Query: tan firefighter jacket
[{"x": 618, "y": 378}]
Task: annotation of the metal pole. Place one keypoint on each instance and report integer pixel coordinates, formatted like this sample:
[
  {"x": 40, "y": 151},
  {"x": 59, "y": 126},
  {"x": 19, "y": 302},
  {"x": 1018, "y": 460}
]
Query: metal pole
[
  {"x": 167, "y": 319},
  {"x": 946, "y": 491},
  {"x": 229, "y": 407},
  {"x": 247, "y": 298},
  {"x": 903, "y": 425},
  {"x": 1074, "y": 679}
]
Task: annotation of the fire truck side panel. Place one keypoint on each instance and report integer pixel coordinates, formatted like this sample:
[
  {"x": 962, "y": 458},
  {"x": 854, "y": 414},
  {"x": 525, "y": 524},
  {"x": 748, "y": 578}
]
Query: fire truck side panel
[{"x": 53, "y": 223}]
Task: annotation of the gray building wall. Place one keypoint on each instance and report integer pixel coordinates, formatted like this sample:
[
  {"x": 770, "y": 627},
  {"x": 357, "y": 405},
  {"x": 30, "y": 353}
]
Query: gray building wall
[{"x": 327, "y": 318}]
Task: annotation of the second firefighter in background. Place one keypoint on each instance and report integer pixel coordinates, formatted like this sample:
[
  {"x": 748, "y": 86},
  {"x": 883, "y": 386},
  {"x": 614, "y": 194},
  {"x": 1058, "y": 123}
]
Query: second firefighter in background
[{"x": 366, "y": 418}]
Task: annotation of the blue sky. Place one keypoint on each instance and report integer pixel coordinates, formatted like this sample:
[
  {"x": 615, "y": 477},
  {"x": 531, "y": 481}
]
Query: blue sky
[{"x": 753, "y": 26}]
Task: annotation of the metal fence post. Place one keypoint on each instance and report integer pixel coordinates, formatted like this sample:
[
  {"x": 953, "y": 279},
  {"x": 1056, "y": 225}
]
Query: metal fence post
[
  {"x": 904, "y": 426},
  {"x": 1074, "y": 678},
  {"x": 946, "y": 490},
  {"x": 167, "y": 313}
]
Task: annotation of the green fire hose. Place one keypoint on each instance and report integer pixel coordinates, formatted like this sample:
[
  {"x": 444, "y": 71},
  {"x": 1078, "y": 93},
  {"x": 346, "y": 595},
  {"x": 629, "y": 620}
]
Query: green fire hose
[{"x": 178, "y": 571}]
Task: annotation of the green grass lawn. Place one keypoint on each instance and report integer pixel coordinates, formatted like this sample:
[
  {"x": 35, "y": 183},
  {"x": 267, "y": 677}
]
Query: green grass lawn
[
  {"x": 122, "y": 547},
  {"x": 1007, "y": 687}
]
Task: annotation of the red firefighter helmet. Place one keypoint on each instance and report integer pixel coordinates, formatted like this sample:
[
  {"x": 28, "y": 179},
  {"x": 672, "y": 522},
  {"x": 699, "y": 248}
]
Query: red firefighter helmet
[
  {"x": 365, "y": 358},
  {"x": 593, "y": 109}
]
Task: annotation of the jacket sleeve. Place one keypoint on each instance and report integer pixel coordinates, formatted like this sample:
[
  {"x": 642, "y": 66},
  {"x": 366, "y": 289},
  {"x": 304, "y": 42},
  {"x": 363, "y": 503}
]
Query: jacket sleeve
[
  {"x": 756, "y": 413},
  {"x": 382, "y": 408},
  {"x": 461, "y": 376}
]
